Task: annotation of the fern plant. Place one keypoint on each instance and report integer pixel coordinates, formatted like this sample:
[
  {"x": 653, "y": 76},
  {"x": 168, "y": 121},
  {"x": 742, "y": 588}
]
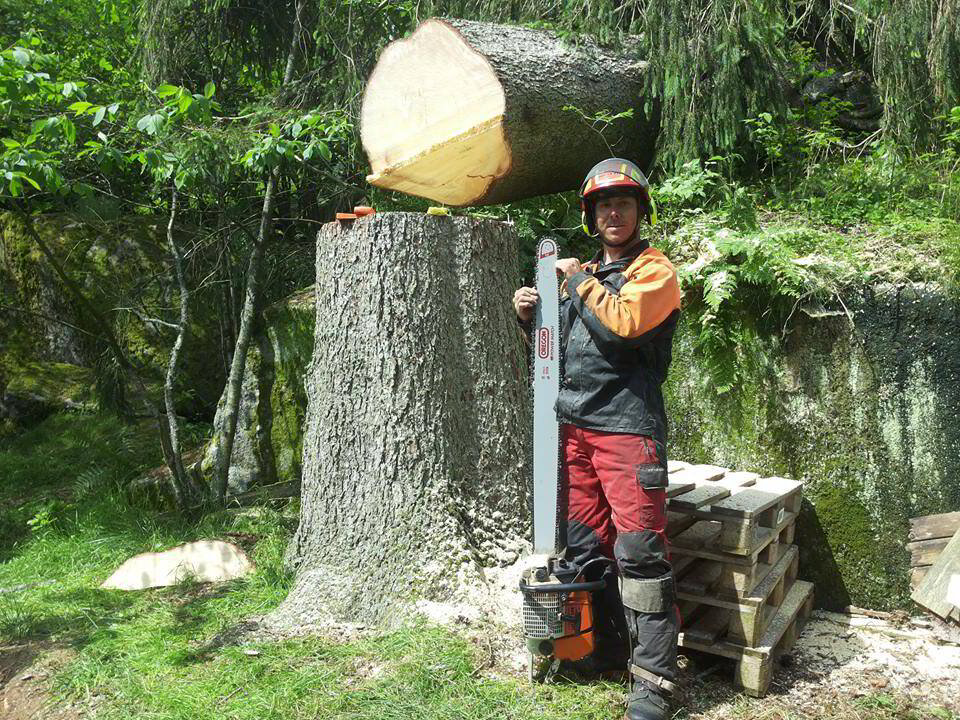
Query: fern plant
[{"x": 748, "y": 285}]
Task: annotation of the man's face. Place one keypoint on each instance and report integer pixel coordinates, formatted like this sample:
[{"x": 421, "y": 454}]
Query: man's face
[{"x": 616, "y": 218}]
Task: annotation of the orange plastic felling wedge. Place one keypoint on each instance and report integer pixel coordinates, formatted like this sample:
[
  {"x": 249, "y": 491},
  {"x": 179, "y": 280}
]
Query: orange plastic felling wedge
[
  {"x": 363, "y": 210},
  {"x": 346, "y": 216}
]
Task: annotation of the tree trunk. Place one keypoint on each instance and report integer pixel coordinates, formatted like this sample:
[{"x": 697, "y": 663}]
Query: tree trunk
[
  {"x": 185, "y": 491},
  {"x": 470, "y": 113},
  {"x": 251, "y": 305},
  {"x": 418, "y": 421}
]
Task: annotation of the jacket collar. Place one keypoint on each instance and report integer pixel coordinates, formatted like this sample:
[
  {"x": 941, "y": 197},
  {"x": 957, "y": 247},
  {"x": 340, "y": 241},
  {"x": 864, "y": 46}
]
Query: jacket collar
[{"x": 635, "y": 249}]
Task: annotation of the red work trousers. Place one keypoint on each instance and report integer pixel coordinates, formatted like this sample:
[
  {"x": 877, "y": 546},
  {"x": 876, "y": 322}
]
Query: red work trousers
[
  {"x": 616, "y": 508},
  {"x": 607, "y": 494}
]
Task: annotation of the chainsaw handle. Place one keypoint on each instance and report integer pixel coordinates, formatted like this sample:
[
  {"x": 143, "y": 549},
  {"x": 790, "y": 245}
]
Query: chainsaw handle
[{"x": 563, "y": 587}]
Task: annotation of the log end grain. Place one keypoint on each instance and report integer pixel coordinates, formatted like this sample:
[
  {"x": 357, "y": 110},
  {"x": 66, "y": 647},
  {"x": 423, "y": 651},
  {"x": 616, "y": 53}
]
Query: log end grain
[{"x": 431, "y": 120}]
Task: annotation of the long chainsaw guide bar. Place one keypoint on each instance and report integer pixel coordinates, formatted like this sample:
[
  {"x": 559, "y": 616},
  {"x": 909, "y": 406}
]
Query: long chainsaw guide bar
[{"x": 546, "y": 385}]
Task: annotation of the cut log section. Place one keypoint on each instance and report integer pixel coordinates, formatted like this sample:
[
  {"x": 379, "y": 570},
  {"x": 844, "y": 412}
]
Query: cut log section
[{"x": 469, "y": 113}]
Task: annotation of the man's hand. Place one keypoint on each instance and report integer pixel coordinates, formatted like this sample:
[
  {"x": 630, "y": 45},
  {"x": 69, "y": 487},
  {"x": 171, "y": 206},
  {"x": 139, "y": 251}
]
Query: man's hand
[
  {"x": 568, "y": 267},
  {"x": 524, "y": 301}
]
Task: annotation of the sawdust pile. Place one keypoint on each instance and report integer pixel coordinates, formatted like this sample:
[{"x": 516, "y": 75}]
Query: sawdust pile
[{"x": 839, "y": 655}]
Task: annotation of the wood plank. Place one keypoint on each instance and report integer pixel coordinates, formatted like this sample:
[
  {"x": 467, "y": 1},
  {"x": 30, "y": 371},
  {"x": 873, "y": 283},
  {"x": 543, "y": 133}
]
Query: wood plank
[
  {"x": 917, "y": 574},
  {"x": 708, "y": 628},
  {"x": 782, "y": 568},
  {"x": 739, "y": 537},
  {"x": 749, "y": 622},
  {"x": 739, "y": 478},
  {"x": 677, "y": 523},
  {"x": 755, "y": 671},
  {"x": 738, "y": 579},
  {"x": 697, "y": 535},
  {"x": 698, "y": 473},
  {"x": 681, "y": 565},
  {"x": 931, "y": 527},
  {"x": 763, "y": 590},
  {"x": 751, "y": 501},
  {"x": 747, "y": 626},
  {"x": 735, "y": 483},
  {"x": 940, "y": 589},
  {"x": 705, "y": 494},
  {"x": 688, "y": 611},
  {"x": 765, "y": 538},
  {"x": 700, "y": 578},
  {"x": 678, "y": 488},
  {"x": 709, "y": 552},
  {"x": 798, "y": 596},
  {"x": 925, "y": 552},
  {"x": 755, "y": 666},
  {"x": 675, "y": 465}
]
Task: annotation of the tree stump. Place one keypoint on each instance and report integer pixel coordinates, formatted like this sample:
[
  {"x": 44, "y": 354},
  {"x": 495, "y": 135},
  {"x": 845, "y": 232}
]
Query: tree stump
[
  {"x": 418, "y": 421},
  {"x": 470, "y": 113}
]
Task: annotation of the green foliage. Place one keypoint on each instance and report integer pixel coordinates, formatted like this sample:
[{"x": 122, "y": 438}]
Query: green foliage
[
  {"x": 816, "y": 167},
  {"x": 742, "y": 285},
  {"x": 917, "y": 58},
  {"x": 714, "y": 64},
  {"x": 694, "y": 186}
]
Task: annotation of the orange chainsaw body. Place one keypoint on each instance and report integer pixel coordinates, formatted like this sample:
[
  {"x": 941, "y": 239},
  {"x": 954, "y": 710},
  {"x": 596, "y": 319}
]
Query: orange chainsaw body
[{"x": 577, "y": 641}]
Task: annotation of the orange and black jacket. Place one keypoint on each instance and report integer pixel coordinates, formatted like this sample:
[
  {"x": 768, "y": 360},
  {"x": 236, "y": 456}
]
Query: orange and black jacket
[{"x": 618, "y": 322}]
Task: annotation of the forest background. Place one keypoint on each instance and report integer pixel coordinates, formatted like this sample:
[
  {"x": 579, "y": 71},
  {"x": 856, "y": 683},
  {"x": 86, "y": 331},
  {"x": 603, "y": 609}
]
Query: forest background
[{"x": 167, "y": 163}]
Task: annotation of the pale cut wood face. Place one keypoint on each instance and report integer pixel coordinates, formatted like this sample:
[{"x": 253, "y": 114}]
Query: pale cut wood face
[{"x": 432, "y": 118}]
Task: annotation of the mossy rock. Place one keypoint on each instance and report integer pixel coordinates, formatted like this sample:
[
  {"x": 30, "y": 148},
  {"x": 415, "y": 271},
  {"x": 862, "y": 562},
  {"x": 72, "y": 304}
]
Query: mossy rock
[
  {"x": 273, "y": 401},
  {"x": 110, "y": 261},
  {"x": 36, "y": 390}
]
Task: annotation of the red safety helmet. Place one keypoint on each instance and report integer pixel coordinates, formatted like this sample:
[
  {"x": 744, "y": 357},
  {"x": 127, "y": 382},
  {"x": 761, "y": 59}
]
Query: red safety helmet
[{"x": 614, "y": 175}]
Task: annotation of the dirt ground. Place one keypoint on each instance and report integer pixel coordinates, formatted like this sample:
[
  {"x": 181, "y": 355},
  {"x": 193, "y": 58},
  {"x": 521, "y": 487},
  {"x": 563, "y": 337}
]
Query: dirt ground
[
  {"x": 838, "y": 658},
  {"x": 26, "y": 673}
]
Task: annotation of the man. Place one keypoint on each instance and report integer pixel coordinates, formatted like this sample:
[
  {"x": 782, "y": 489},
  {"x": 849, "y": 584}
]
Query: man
[{"x": 618, "y": 314}]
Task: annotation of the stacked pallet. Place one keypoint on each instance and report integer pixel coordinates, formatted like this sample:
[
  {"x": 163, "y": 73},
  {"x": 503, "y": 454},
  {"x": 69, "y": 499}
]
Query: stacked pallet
[
  {"x": 929, "y": 535},
  {"x": 935, "y": 564},
  {"x": 731, "y": 540}
]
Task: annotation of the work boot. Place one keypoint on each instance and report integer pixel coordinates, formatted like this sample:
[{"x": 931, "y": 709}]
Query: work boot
[{"x": 646, "y": 702}]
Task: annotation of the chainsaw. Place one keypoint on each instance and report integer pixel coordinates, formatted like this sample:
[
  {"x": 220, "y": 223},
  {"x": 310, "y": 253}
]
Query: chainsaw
[{"x": 557, "y": 600}]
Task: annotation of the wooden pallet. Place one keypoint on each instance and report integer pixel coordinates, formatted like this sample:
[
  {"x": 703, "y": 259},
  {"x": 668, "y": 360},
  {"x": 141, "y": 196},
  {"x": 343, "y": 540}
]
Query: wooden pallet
[
  {"x": 738, "y": 574},
  {"x": 755, "y": 665},
  {"x": 745, "y": 505},
  {"x": 710, "y": 616},
  {"x": 940, "y": 590},
  {"x": 928, "y": 536}
]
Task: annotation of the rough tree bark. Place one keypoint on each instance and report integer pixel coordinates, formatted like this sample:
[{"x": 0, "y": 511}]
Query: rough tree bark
[
  {"x": 470, "y": 113},
  {"x": 418, "y": 429}
]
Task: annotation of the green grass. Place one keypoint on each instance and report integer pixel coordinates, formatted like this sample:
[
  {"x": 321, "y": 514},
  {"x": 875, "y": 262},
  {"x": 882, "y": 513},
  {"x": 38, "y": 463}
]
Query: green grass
[{"x": 151, "y": 654}]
